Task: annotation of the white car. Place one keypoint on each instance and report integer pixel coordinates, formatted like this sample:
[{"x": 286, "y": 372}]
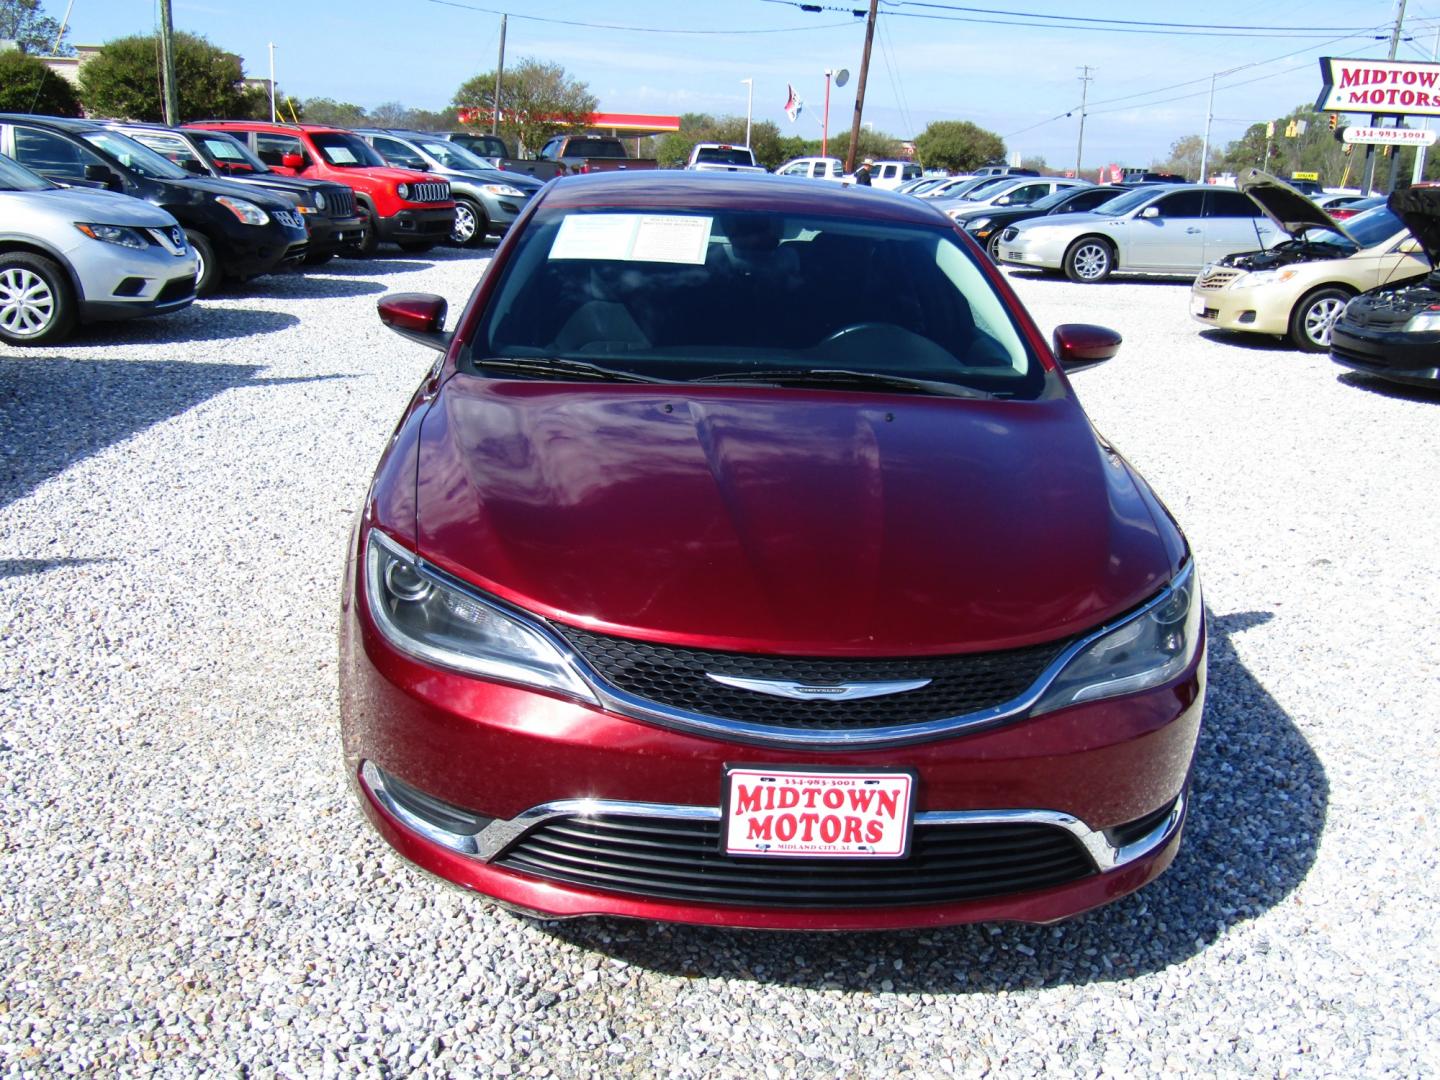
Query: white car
[
  {"x": 889, "y": 175},
  {"x": 71, "y": 256},
  {"x": 816, "y": 168}
]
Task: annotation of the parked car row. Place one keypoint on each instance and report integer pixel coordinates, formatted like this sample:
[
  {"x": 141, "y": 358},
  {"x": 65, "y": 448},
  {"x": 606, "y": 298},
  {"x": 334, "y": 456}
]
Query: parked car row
[{"x": 113, "y": 219}]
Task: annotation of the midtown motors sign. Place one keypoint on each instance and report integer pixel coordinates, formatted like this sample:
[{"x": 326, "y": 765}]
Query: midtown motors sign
[
  {"x": 1393, "y": 87},
  {"x": 1378, "y": 136}
]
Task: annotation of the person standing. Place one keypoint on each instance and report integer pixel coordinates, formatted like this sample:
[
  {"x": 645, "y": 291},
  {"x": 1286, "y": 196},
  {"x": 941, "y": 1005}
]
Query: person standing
[{"x": 862, "y": 174}]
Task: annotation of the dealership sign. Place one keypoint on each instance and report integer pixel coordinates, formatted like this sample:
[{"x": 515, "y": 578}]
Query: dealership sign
[
  {"x": 1381, "y": 136},
  {"x": 1393, "y": 87}
]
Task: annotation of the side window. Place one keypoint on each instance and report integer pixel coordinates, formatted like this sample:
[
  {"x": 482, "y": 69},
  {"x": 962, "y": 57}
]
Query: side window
[
  {"x": 271, "y": 149},
  {"x": 171, "y": 146},
  {"x": 795, "y": 170},
  {"x": 1089, "y": 200},
  {"x": 52, "y": 155},
  {"x": 397, "y": 153},
  {"x": 910, "y": 172},
  {"x": 1025, "y": 194},
  {"x": 549, "y": 152},
  {"x": 1231, "y": 204},
  {"x": 1181, "y": 204}
]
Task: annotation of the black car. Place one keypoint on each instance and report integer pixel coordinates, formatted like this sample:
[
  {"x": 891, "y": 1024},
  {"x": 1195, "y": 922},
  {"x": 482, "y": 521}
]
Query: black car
[
  {"x": 327, "y": 208},
  {"x": 236, "y": 231},
  {"x": 1393, "y": 332},
  {"x": 986, "y": 227}
]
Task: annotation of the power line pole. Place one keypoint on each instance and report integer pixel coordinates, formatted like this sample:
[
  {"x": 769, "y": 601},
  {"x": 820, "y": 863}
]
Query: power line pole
[
  {"x": 860, "y": 87},
  {"x": 1085, "y": 78},
  {"x": 499, "y": 75},
  {"x": 1209, "y": 119},
  {"x": 1375, "y": 117},
  {"x": 171, "y": 97}
]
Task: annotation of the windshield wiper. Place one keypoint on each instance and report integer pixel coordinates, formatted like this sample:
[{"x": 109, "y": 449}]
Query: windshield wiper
[
  {"x": 559, "y": 365},
  {"x": 845, "y": 377}
]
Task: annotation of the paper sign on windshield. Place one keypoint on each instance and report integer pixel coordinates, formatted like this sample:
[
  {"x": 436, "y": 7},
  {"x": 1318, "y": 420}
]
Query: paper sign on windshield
[{"x": 633, "y": 238}]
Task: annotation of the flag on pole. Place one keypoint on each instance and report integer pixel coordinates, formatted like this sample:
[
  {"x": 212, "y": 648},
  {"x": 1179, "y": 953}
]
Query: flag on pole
[{"x": 793, "y": 104}]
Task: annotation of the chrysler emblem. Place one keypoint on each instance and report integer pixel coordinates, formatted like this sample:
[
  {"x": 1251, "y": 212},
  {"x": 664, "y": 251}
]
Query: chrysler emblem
[{"x": 798, "y": 691}]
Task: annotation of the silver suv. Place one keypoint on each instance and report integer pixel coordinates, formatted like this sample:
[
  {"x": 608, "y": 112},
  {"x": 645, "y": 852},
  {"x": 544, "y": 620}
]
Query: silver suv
[{"x": 69, "y": 257}]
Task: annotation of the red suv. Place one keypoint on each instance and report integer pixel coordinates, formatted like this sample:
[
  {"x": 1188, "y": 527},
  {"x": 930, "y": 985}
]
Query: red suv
[{"x": 404, "y": 207}]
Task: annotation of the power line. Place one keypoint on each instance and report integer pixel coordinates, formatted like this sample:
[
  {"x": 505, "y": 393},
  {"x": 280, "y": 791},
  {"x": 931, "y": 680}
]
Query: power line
[
  {"x": 1110, "y": 22},
  {"x": 634, "y": 29}
]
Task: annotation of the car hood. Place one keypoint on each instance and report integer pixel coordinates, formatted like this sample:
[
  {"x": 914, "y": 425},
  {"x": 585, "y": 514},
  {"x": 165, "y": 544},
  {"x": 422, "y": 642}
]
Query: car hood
[
  {"x": 1419, "y": 209},
  {"x": 1286, "y": 207},
  {"x": 236, "y": 190},
  {"x": 787, "y": 521},
  {"x": 399, "y": 176},
  {"x": 85, "y": 204}
]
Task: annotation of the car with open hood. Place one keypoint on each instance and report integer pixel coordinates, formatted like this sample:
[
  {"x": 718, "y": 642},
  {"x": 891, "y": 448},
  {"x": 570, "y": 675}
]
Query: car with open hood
[
  {"x": 839, "y": 615},
  {"x": 1297, "y": 288},
  {"x": 1393, "y": 331}
]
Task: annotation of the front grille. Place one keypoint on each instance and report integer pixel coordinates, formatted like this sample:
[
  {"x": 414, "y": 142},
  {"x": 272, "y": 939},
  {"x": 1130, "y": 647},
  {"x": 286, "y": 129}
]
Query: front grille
[
  {"x": 1217, "y": 278},
  {"x": 339, "y": 202},
  {"x": 676, "y": 677},
  {"x": 680, "y": 859},
  {"x": 429, "y": 192},
  {"x": 175, "y": 289},
  {"x": 1378, "y": 316}
]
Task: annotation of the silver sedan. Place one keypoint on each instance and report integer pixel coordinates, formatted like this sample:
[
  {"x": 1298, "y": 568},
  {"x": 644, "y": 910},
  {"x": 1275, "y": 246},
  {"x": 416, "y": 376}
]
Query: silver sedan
[{"x": 1156, "y": 229}]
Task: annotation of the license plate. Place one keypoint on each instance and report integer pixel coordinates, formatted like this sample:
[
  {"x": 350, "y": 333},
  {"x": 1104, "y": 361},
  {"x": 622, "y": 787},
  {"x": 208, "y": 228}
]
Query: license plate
[
  {"x": 817, "y": 813},
  {"x": 1197, "y": 305}
]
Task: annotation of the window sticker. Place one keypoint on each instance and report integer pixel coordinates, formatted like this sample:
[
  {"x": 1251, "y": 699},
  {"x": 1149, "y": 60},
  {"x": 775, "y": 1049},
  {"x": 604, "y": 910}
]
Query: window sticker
[
  {"x": 633, "y": 238},
  {"x": 341, "y": 155}
]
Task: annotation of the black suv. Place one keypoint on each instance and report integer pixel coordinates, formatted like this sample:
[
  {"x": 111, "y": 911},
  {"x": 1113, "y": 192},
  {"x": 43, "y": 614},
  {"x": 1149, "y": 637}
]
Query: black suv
[
  {"x": 236, "y": 231},
  {"x": 327, "y": 208}
]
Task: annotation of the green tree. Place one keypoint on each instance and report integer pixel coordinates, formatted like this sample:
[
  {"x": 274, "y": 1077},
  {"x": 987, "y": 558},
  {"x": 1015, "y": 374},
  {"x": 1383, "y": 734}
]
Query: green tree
[
  {"x": 344, "y": 114},
  {"x": 1184, "y": 157},
  {"x": 23, "y": 22},
  {"x": 1313, "y": 150},
  {"x": 958, "y": 145},
  {"x": 123, "y": 81},
  {"x": 28, "y": 86},
  {"x": 537, "y": 100}
]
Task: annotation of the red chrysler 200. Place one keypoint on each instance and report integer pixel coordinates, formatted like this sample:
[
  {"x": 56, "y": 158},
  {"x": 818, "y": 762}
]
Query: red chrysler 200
[{"x": 746, "y": 559}]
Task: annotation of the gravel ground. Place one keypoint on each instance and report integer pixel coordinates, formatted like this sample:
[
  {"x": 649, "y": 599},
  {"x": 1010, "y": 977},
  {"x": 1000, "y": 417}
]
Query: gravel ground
[{"x": 187, "y": 888}]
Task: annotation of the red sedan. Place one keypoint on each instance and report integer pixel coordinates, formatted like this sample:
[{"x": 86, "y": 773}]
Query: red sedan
[{"x": 746, "y": 559}]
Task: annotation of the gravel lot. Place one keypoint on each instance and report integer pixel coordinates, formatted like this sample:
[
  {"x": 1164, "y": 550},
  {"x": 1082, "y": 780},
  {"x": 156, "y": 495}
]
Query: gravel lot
[{"x": 187, "y": 888}]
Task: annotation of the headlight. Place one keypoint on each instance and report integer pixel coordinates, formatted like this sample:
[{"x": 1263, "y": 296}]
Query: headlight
[
  {"x": 1262, "y": 277},
  {"x": 424, "y": 613},
  {"x": 503, "y": 189},
  {"x": 114, "y": 234},
  {"x": 319, "y": 200},
  {"x": 976, "y": 224},
  {"x": 246, "y": 211},
  {"x": 1426, "y": 320},
  {"x": 403, "y": 191},
  {"x": 1151, "y": 647}
]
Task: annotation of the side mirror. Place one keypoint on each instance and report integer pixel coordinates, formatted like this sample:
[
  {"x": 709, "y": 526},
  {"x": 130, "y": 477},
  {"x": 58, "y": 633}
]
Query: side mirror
[
  {"x": 1410, "y": 246},
  {"x": 420, "y": 166},
  {"x": 293, "y": 161},
  {"x": 103, "y": 174},
  {"x": 417, "y": 316},
  {"x": 1081, "y": 345},
  {"x": 194, "y": 165},
  {"x": 1003, "y": 200},
  {"x": 1150, "y": 212}
]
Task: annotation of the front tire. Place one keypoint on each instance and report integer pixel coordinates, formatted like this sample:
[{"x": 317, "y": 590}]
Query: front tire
[
  {"x": 1089, "y": 260},
  {"x": 37, "y": 302},
  {"x": 1314, "y": 316},
  {"x": 416, "y": 247},
  {"x": 993, "y": 247},
  {"x": 471, "y": 224},
  {"x": 369, "y": 237},
  {"x": 207, "y": 270}
]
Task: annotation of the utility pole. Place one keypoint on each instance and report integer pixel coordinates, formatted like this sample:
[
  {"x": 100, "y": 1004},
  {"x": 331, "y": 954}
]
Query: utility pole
[
  {"x": 749, "y": 107},
  {"x": 1209, "y": 119},
  {"x": 1085, "y": 78},
  {"x": 1369, "y": 180},
  {"x": 499, "y": 75},
  {"x": 272, "y": 82},
  {"x": 860, "y": 87},
  {"x": 170, "y": 96}
]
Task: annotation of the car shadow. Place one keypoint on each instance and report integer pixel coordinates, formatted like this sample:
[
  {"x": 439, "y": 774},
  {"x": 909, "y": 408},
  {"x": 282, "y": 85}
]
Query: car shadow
[
  {"x": 14, "y": 568},
  {"x": 1386, "y": 388},
  {"x": 1254, "y": 342},
  {"x": 356, "y": 267},
  {"x": 1058, "y": 277},
  {"x": 315, "y": 287},
  {"x": 58, "y": 410},
  {"x": 198, "y": 322},
  {"x": 1257, "y": 809}
]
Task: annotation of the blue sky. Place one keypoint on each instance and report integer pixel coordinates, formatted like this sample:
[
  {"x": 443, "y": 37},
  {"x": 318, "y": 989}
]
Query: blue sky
[{"x": 927, "y": 64}]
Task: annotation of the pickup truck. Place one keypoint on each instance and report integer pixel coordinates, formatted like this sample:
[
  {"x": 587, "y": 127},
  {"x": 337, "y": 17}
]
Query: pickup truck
[
  {"x": 722, "y": 157},
  {"x": 592, "y": 153},
  {"x": 493, "y": 149}
]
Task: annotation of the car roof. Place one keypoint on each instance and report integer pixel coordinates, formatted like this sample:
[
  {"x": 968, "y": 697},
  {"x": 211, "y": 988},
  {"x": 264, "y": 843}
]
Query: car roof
[
  {"x": 681, "y": 190},
  {"x": 264, "y": 125},
  {"x": 63, "y": 123}
]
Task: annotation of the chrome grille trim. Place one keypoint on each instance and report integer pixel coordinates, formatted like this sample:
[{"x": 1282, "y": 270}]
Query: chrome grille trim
[
  {"x": 429, "y": 192},
  {"x": 1217, "y": 278}
]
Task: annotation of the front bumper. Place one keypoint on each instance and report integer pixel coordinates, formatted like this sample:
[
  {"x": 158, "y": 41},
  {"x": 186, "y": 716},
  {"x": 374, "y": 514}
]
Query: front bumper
[
  {"x": 1388, "y": 354},
  {"x": 1034, "y": 252},
  {"x": 247, "y": 251},
  {"x": 1261, "y": 310},
  {"x": 122, "y": 283},
  {"x": 512, "y": 756},
  {"x": 332, "y": 234},
  {"x": 418, "y": 225}
]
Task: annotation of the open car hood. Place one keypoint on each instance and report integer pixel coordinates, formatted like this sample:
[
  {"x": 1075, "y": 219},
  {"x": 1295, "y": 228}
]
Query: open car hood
[
  {"x": 1419, "y": 208},
  {"x": 1285, "y": 206}
]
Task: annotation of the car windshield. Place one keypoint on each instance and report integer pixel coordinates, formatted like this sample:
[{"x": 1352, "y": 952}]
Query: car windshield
[
  {"x": 660, "y": 293},
  {"x": 1123, "y": 204},
  {"x": 132, "y": 155},
  {"x": 346, "y": 151},
  {"x": 452, "y": 156},
  {"x": 230, "y": 154},
  {"x": 988, "y": 186},
  {"x": 15, "y": 177},
  {"x": 1374, "y": 226}
]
